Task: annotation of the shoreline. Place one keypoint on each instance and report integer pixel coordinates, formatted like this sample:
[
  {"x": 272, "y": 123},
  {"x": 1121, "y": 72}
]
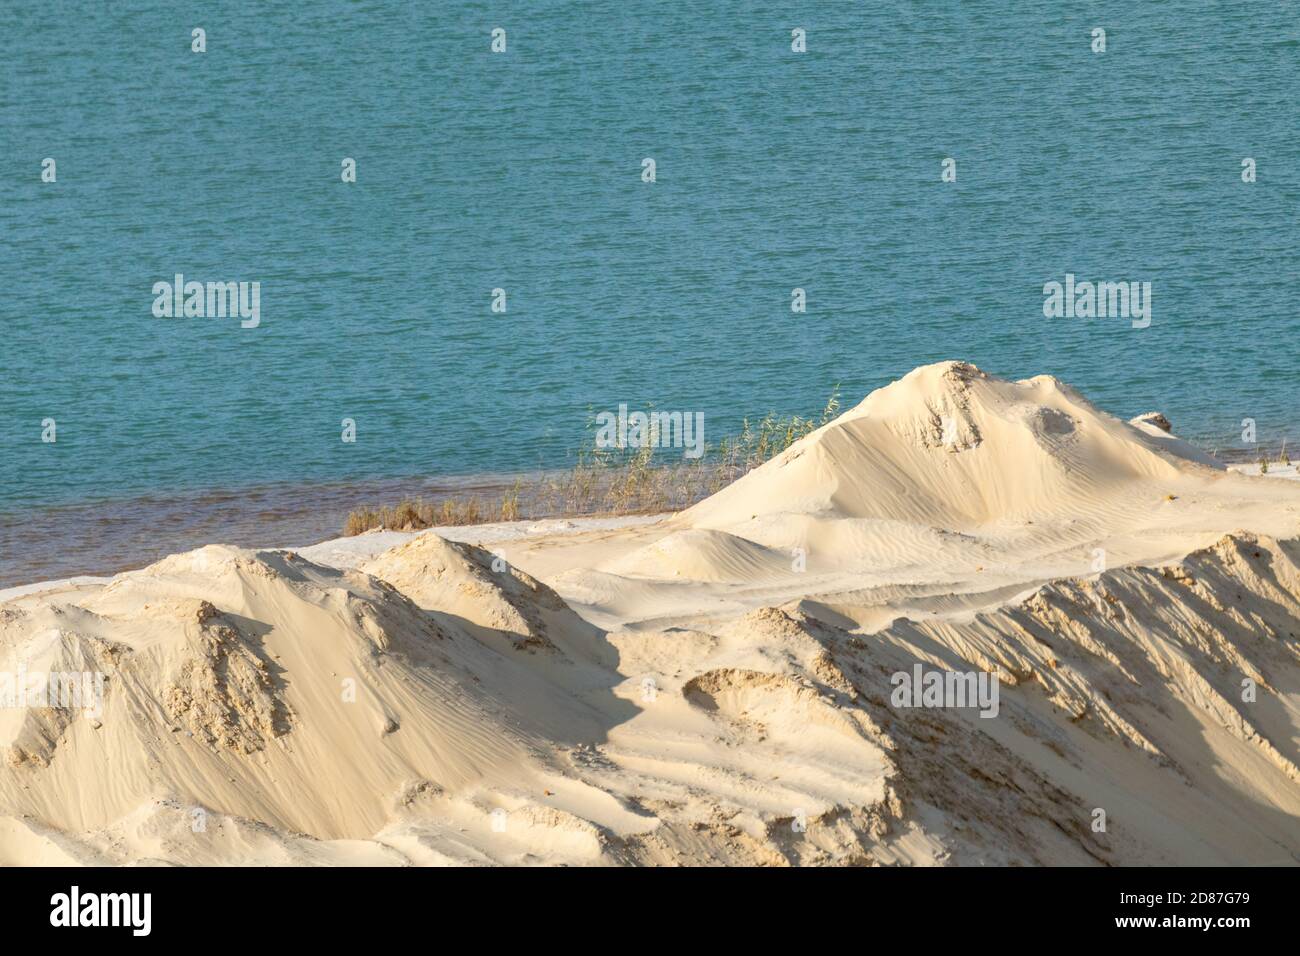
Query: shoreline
[
  {"x": 107, "y": 536},
  {"x": 98, "y": 539},
  {"x": 345, "y": 551},
  {"x": 348, "y": 551}
]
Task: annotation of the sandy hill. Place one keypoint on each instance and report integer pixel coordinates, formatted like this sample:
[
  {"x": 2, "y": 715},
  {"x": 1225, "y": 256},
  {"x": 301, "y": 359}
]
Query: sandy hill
[
  {"x": 716, "y": 687},
  {"x": 950, "y": 445}
]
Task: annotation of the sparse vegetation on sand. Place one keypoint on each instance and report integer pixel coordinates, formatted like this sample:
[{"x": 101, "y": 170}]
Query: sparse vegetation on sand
[{"x": 609, "y": 481}]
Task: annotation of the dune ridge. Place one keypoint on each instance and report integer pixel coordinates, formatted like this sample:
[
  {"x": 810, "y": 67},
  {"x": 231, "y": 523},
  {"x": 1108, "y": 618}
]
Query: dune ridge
[{"x": 715, "y": 687}]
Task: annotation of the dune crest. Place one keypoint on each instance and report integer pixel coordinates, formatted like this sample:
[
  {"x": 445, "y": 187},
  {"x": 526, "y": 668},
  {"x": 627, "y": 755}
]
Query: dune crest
[
  {"x": 717, "y": 687},
  {"x": 948, "y": 443}
]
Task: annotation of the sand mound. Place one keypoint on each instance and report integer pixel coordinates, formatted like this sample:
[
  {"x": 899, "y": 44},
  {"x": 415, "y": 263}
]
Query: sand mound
[
  {"x": 479, "y": 588},
  {"x": 719, "y": 687},
  {"x": 704, "y": 555},
  {"x": 1188, "y": 667},
  {"x": 299, "y": 675},
  {"x": 950, "y": 445}
]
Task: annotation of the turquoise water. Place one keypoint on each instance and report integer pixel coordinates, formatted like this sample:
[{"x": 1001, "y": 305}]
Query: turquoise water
[{"x": 522, "y": 171}]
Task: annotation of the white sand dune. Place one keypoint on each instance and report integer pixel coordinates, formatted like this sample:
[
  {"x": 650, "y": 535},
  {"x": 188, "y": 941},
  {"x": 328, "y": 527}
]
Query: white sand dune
[{"x": 715, "y": 686}]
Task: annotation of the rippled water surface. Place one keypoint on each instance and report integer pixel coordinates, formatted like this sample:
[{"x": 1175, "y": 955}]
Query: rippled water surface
[{"x": 522, "y": 171}]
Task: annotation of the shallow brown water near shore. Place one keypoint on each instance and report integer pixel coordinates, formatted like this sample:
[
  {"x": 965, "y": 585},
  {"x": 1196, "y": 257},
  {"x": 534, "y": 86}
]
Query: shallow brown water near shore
[{"x": 104, "y": 537}]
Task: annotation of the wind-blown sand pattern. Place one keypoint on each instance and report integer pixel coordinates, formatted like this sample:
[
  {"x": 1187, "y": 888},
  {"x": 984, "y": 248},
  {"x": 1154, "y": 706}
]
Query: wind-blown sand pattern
[{"x": 714, "y": 686}]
